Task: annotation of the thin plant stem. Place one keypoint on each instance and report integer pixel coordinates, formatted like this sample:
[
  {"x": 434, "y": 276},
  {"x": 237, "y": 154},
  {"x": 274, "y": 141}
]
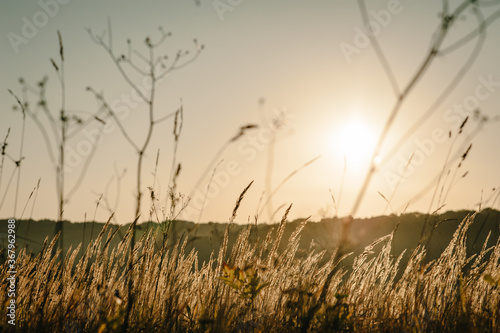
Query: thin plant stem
[
  {"x": 442, "y": 97},
  {"x": 286, "y": 179},
  {"x": 440, "y": 35}
]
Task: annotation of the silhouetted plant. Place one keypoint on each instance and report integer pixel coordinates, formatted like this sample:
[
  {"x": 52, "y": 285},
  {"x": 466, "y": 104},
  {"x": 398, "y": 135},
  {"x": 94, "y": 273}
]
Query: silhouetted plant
[
  {"x": 157, "y": 67},
  {"x": 448, "y": 19},
  {"x": 57, "y": 129}
]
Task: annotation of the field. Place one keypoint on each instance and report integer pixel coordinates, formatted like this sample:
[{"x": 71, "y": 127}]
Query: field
[
  {"x": 334, "y": 110},
  {"x": 269, "y": 284}
]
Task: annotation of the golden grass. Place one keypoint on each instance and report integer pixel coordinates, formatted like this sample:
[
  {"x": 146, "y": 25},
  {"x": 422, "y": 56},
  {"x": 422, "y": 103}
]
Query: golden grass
[{"x": 262, "y": 290}]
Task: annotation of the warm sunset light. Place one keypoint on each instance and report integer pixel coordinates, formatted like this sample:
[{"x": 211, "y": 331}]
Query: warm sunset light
[
  {"x": 243, "y": 91},
  {"x": 355, "y": 139},
  {"x": 250, "y": 166}
]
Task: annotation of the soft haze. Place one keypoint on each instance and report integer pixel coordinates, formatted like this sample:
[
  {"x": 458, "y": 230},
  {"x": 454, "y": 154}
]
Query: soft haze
[{"x": 262, "y": 59}]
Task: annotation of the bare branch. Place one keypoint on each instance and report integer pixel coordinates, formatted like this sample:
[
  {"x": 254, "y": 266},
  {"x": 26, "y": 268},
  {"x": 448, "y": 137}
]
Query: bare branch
[
  {"x": 378, "y": 50},
  {"x": 446, "y": 22},
  {"x": 437, "y": 103},
  {"x": 471, "y": 35},
  {"x": 116, "y": 61},
  {"x": 112, "y": 113}
]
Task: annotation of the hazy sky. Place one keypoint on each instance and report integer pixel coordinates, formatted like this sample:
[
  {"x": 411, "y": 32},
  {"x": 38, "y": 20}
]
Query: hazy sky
[{"x": 311, "y": 64}]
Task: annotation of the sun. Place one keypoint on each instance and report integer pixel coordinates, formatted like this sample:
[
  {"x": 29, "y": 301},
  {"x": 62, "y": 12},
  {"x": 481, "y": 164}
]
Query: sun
[{"x": 354, "y": 139}]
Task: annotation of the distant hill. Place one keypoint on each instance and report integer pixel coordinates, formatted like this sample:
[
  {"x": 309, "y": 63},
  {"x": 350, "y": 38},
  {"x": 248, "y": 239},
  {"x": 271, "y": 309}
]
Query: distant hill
[{"x": 325, "y": 235}]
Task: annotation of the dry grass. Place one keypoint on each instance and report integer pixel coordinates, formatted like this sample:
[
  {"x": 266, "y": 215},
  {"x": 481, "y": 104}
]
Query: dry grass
[{"x": 258, "y": 290}]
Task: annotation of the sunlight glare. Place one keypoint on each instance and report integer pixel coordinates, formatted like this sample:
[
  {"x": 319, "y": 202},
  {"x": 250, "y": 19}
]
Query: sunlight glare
[{"x": 355, "y": 140}]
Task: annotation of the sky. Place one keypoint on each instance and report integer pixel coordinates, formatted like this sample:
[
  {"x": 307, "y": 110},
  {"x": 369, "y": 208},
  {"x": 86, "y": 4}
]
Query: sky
[{"x": 304, "y": 73}]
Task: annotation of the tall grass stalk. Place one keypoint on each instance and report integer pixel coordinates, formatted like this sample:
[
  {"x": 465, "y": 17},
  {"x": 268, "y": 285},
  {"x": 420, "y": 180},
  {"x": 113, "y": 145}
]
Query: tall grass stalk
[
  {"x": 448, "y": 20},
  {"x": 157, "y": 69},
  {"x": 56, "y": 129},
  {"x": 106, "y": 290}
]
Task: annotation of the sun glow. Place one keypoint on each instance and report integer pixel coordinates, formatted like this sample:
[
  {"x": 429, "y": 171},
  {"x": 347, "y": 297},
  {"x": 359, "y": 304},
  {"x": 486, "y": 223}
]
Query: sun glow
[{"x": 355, "y": 140}]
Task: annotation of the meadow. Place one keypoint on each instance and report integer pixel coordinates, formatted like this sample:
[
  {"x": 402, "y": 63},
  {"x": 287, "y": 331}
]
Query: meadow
[
  {"x": 264, "y": 284},
  {"x": 404, "y": 272}
]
